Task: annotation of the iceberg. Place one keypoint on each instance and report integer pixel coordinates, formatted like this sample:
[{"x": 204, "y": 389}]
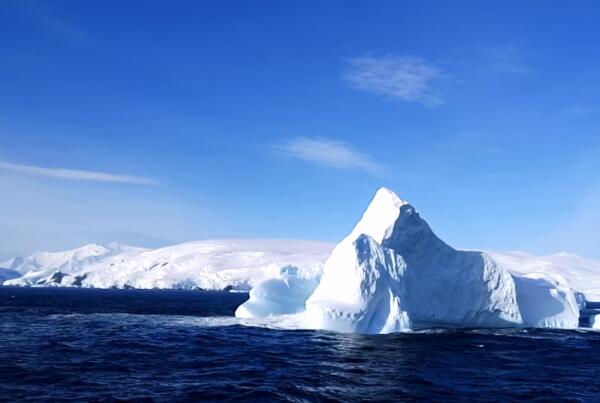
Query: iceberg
[
  {"x": 392, "y": 273},
  {"x": 442, "y": 286}
]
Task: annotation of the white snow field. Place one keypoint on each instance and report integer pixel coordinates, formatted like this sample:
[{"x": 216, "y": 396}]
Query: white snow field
[
  {"x": 392, "y": 273},
  {"x": 211, "y": 265}
]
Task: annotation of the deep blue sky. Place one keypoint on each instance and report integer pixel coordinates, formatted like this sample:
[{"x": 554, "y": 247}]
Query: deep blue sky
[{"x": 280, "y": 119}]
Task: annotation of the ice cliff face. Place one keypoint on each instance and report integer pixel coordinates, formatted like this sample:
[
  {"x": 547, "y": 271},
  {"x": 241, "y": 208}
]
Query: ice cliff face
[
  {"x": 361, "y": 290},
  {"x": 392, "y": 273},
  {"x": 545, "y": 303}
]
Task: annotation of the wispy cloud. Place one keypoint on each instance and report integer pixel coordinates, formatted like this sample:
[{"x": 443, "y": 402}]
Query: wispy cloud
[
  {"x": 76, "y": 175},
  {"x": 401, "y": 78},
  {"x": 507, "y": 60},
  {"x": 332, "y": 153}
]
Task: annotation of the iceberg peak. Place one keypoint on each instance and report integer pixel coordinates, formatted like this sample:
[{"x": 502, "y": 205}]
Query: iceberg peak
[
  {"x": 396, "y": 224},
  {"x": 384, "y": 193},
  {"x": 379, "y": 217}
]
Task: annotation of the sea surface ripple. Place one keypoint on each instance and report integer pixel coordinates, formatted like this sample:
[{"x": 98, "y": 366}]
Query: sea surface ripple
[{"x": 108, "y": 345}]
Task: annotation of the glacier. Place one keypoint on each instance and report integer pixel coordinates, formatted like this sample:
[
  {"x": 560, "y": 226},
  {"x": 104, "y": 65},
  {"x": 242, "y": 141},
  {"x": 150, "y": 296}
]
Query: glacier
[{"x": 392, "y": 273}]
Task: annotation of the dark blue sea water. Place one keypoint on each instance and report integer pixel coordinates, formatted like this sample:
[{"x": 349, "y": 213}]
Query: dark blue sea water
[{"x": 107, "y": 345}]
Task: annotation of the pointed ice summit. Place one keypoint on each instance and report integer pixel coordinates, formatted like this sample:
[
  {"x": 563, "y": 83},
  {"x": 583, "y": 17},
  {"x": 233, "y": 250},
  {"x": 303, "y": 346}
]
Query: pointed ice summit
[{"x": 392, "y": 273}]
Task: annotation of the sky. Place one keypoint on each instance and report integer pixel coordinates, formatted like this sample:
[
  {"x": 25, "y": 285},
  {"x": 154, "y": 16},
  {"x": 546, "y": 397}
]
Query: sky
[{"x": 152, "y": 122}]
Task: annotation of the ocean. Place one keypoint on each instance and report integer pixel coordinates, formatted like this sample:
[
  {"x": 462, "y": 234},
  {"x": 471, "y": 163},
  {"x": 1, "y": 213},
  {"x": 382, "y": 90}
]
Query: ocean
[{"x": 61, "y": 344}]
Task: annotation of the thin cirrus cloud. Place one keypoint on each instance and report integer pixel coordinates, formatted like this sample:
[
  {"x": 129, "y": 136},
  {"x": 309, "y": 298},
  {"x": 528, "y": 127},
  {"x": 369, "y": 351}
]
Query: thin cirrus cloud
[
  {"x": 331, "y": 153},
  {"x": 76, "y": 175},
  {"x": 400, "y": 78}
]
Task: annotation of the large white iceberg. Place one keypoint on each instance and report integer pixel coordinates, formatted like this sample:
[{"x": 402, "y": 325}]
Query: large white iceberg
[{"x": 392, "y": 273}]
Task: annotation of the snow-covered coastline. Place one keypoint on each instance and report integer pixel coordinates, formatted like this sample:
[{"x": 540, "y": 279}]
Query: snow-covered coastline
[
  {"x": 391, "y": 273},
  {"x": 209, "y": 265},
  {"x": 581, "y": 273}
]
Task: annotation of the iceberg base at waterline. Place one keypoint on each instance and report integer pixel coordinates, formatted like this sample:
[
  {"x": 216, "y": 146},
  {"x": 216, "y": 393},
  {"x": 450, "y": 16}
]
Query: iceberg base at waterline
[
  {"x": 368, "y": 299},
  {"x": 283, "y": 295},
  {"x": 393, "y": 274}
]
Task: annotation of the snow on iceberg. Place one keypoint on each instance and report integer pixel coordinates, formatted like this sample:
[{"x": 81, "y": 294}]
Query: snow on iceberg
[{"x": 392, "y": 273}]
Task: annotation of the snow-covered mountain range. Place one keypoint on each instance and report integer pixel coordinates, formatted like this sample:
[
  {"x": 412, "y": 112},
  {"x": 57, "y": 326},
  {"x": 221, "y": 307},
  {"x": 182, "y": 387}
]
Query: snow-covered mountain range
[{"x": 212, "y": 264}]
